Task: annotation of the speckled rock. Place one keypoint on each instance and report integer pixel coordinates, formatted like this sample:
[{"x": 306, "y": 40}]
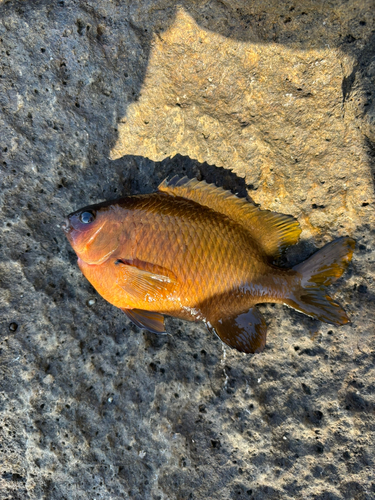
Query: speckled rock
[{"x": 280, "y": 96}]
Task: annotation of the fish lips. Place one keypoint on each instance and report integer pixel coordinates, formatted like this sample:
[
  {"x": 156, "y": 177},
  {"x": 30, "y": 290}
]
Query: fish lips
[
  {"x": 66, "y": 227},
  {"x": 73, "y": 231}
]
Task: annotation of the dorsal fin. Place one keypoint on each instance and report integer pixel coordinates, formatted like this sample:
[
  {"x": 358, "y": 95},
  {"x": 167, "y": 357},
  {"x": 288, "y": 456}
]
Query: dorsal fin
[{"x": 274, "y": 232}]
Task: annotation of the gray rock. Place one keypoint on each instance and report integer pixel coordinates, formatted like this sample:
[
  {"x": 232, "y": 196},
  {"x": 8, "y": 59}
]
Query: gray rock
[{"x": 93, "y": 407}]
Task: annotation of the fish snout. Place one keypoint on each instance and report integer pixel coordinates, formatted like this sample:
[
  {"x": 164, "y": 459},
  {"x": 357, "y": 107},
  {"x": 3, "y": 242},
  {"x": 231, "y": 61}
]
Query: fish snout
[{"x": 66, "y": 226}]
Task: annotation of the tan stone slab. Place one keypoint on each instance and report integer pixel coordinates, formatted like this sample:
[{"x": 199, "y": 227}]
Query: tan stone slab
[{"x": 273, "y": 114}]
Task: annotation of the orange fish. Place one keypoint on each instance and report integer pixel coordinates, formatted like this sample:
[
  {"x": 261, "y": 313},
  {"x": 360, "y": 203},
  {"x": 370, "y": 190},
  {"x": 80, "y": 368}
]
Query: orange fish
[{"x": 197, "y": 252}]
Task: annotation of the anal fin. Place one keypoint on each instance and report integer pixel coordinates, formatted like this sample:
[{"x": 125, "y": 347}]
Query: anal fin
[
  {"x": 245, "y": 332},
  {"x": 151, "y": 321}
]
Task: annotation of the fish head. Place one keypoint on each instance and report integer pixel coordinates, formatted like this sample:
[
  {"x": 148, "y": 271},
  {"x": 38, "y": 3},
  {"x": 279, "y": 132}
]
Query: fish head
[{"x": 94, "y": 232}]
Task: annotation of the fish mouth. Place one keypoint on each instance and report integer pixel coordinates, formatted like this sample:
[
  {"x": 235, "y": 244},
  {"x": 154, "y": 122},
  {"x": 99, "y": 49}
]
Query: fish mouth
[{"x": 66, "y": 227}]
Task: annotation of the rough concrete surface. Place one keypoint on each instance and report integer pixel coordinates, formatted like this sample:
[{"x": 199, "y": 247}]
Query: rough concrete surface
[{"x": 280, "y": 96}]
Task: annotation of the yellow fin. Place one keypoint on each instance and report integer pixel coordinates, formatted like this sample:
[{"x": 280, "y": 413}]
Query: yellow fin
[
  {"x": 142, "y": 284},
  {"x": 274, "y": 232},
  {"x": 317, "y": 272}
]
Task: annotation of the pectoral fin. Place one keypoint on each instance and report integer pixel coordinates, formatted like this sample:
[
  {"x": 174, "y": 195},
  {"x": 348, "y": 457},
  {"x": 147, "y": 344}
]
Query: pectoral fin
[
  {"x": 152, "y": 321},
  {"x": 143, "y": 281},
  {"x": 245, "y": 332}
]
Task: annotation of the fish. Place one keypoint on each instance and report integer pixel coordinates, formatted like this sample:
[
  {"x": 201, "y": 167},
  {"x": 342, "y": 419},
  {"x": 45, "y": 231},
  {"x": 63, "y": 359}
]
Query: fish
[{"x": 197, "y": 252}]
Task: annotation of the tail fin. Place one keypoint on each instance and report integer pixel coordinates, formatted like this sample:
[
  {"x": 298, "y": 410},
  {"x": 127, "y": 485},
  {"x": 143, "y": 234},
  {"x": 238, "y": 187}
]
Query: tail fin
[{"x": 316, "y": 273}]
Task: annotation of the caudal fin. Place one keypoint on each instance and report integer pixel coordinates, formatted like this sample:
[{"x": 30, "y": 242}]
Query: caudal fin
[{"x": 316, "y": 273}]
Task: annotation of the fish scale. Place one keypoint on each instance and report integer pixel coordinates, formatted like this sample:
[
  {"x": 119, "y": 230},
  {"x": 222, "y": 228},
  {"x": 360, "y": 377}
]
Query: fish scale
[
  {"x": 200, "y": 242},
  {"x": 197, "y": 252},
  {"x": 206, "y": 255}
]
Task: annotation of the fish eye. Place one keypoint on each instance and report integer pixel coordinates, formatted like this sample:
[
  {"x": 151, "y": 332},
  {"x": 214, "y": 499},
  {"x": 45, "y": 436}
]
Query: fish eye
[{"x": 86, "y": 217}]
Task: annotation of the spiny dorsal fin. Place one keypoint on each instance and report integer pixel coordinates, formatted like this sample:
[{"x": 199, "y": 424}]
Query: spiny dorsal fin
[{"x": 274, "y": 232}]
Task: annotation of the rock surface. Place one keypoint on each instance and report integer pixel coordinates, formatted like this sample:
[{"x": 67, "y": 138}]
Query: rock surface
[{"x": 281, "y": 97}]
